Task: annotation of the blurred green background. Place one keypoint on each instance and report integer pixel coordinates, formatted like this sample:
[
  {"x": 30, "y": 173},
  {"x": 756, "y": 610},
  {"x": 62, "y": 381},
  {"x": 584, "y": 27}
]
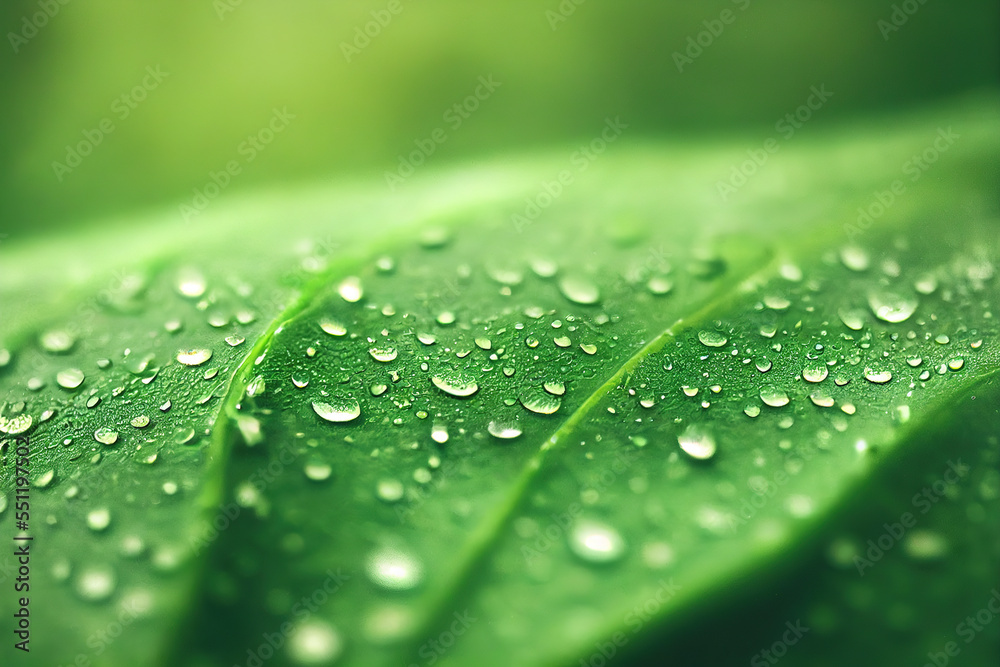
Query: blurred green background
[{"x": 230, "y": 63}]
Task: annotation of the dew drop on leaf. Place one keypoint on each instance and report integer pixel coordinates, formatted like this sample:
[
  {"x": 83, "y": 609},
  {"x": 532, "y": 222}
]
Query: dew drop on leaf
[
  {"x": 57, "y": 341},
  {"x": 194, "y": 357},
  {"x": 579, "y": 289},
  {"x": 190, "y": 283},
  {"x": 98, "y": 519},
  {"x": 393, "y": 569},
  {"x": 106, "y": 436},
  {"x": 774, "y": 397},
  {"x": 539, "y": 401},
  {"x": 660, "y": 285},
  {"x": 853, "y": 318},
  {"x": 504, "y": 429},
  {"x": 879, "y": 376},
  {"x": 815, "y": 374},
  {"x": 342, "y": 410},
  {"x": 892, "y": 306},
  {"x": 697, "y": 442},
  {"x": 596, "y": 542},
  {"x": 315, "y": 642},
  {"x": 389, "y": 490},
  {"x": 456, "y": 384},
  {"x": 71, "y": 378},
  {"x": 711, "y": 338},
  {"x": 383, "y": 354},
  {"x": 235, "y": 340},
  {"x": 855, "y": 258},
  {"x": 350, "y": 289},
  {"x": 332, "y": 327},
  {"x": 95, "y": 583},
  {"x": 317, "y": 471}
]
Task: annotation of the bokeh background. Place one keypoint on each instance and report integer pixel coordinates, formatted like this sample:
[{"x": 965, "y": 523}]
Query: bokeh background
[{"x": 563, "y": 68}]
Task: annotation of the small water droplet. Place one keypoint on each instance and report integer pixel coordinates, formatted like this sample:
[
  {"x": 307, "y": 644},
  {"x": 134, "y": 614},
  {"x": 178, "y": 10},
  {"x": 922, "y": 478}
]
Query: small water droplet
[
  {"x": 332, "y": 327},
  {"x": 540, "y": 402},
  {"x": 235, "y": 340},
  {"x": 98, "y": 519},
  {"x": 426, "y": 338},
  {"x": 378, "y": 389},
  {"x": 315, "y": 642},
  {"x": 554, "y": 388},
  {"x": 394, "y": 570},
  {"x": 317, "y": 470},
  {"x": 926, "y": 545},
  {"x": 697, "y": 442},
  {"x": 389, "y": 490},
  {"x": 194, "y": 357},
  {"x": 596, "y": 542},
  {"x": 926, "y": 284},
  {"x": 660, "y": 285},
  {"x": 752, "y": 410},
  {"x": 710, "y": 338},
  {"x": 190, "y": 282},
  {"x": 956, "y": 364},
  {"x": 775, "y": 302},
  {"x": 579, "y": 289},
  {"x": 256, "y": 386},
  {"x": 96, "y": 583},
  {"x": 853, "y": 318},
  {"x": 774, "y": 397},
  {"x": 106, "y": 436},
  {"x": 821, "y": 399},
  {"x": 342, "y": 410},
  {"x": 446, "y": 317}
]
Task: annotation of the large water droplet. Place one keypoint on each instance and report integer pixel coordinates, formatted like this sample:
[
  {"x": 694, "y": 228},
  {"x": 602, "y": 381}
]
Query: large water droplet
[
  {"x": 332, "y": 327},
  {"x": 383, "y": 354},
  {"x": 878, "y": 376},
  {"x": 711, "y": 338},
  {"x": 106, "y": 436},
  {"x": 536, "y": 400},
  {"x": 892, "y": 306},
  {"x": 579, "y": 289},
  {"x": 815, "y": 373},
  {"x": 596, "y": 542},
  {"x": 71, "y": 378},
  {"x": 194, "y": 357},
  {"x": 853, "y": 318},
  {"x": 350, "y": 289},
  {"x": 57, "y": 341},
  {"x": 394, "y": 569},
  {"x": 774, "y": 397},
  {"x": 697, "y": 442},
  {"x": 504, "y": 429},
  {"x": 341, "y": 410},
  {"x": 456, "y": 383}
]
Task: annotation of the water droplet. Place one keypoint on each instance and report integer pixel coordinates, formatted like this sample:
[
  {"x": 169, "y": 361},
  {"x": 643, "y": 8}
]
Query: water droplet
[
  {"x": 751, "y": 410},
  {"x": 855, "y": 258},
  {"x": 853, "y": 318},
  {"x": 927, "y": 545},
  {"x": 538, "y": 401},
  {"x": 848, "y": 408},
  {"x": 106, "y": 436},
  {"x": 774, "y": 397},
  {"x": 446, "y": 317},
  {"x": 389, "y": 490},
  {"x": 71, "y": 378},
  {"x": 815, "y": 374},
  {"x": 660, "y": 285},
  {"x": 383, "y": 354},
  {"x": 956, "y": 364},
  {"x": 317, "y": 471},
  {"x": 43, "y": 480},
  {"x": 791, "y": 272},
  {"x": 710, "y": 338},
  {"x": 385, "y": 264},
  {"x": 579, "y": 289},
  {"x": 315, "y": 642},
  {"x": 190, "y": 282},
  {"x": 892, "y": 306},
  {"x": 15, "y": 425},
  {"x": 821, "y": 399},
  {"x": 256, "y": 386},
  {"x": 57, "y": 341},
  {"x": 697, "y": 442},
  {"x": 596, "y": 542},
  {"x": 350, "y": 289},
  {"x": 299, "y": 382},
  {"x": 775, "y": 302},
  {"x": 426, "y": 338},
  {"x": 763, "y": 365},
  {"x": 562, "y": 341},
  {"x": 880, "y": 376},
  {"x": 554, "y": 388},
  {"x": 459, "y": 384},
  {"x": 194, "y": 357},
  {"x": 504, "y": 429},
  {"x": 332, "y": 327},
  {"x": 235, "y": 340},
  {"x": 393, "y": 569},
  {"x": 378, "y": 389},
  {"x": 98, "y": 519},
  {"x": 96, "y": 583},
  {"x": 343, "y": 410}
]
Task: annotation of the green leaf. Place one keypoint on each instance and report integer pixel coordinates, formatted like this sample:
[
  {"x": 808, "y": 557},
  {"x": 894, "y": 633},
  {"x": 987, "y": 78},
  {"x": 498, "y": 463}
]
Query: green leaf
[{"x": 506, "y": 417}]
